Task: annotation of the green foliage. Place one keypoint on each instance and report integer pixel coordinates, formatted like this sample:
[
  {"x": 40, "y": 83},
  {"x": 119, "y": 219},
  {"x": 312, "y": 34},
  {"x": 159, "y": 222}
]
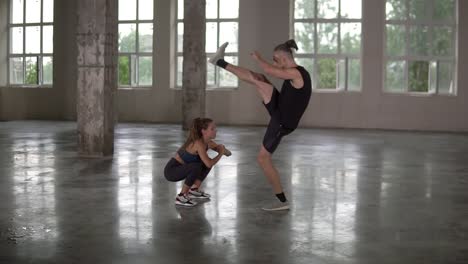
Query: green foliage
[
  {"x": 327, "y": 73},
  {"x": 418, "y": 76},
  {"x": 31, "y": 72},
  {"x": 145, "y": 68},
  {"x": 124, "y": 70}
]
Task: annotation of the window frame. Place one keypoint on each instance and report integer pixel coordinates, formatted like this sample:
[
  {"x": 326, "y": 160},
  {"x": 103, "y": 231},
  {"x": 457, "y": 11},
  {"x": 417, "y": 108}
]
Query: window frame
[
  {"x": 408, "y": 58},
  {"x": 39, "y": 56},
  {"x": 133, "y": 57},
  {"x": 339, "y": 56},
  {"x": 179, "y": 54}
]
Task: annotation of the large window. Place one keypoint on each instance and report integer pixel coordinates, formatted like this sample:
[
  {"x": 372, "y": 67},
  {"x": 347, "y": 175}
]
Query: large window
[
  {"x": 420, "y": 46},
  {"x": 135, "y": 43},
  {"x": 222, "y": 24},
  {"x": 31, "y": 48},
  {"x": 328, "y": 34}
]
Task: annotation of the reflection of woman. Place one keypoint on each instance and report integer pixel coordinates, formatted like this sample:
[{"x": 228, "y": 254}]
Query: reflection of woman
[
  {"x": 192, "y": 163},
  {"x": 285, "y": 108}
]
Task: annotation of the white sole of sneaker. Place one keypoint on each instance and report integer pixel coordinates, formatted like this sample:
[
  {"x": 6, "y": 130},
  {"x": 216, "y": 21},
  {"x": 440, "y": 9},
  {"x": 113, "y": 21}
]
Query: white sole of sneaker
[
  {"x": 185, "y": 204},
  {"x": 282, "y": 208}
]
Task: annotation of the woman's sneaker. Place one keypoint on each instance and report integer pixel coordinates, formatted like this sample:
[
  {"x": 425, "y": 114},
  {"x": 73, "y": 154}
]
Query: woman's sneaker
[
  {"x": 198, "y": 194},
  {"x": 184, "y": 200}
]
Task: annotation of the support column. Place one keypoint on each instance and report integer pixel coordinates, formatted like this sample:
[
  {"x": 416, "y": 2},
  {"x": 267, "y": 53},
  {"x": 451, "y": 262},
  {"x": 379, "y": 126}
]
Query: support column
[
  {"x": 194, "y": 66},
  {"x": 96, "y": 38}
]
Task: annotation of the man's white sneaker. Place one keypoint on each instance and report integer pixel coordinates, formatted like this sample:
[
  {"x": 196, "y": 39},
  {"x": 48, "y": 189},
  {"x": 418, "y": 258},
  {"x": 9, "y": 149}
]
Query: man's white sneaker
[
  {"x": 277, "y": 206},
  {"x": 219, "y": 54},
  {"x": 184, "y": 200}
]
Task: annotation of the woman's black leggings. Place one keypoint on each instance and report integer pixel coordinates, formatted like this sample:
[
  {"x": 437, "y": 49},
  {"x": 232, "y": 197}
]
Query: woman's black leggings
[{"x": 176, "y": 171}]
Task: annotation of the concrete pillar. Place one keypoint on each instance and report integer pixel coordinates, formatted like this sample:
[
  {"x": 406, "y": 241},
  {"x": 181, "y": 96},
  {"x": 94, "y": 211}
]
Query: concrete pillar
[
  {"x": 194, "y": 67},
  {"x": 97, "y": 33}
]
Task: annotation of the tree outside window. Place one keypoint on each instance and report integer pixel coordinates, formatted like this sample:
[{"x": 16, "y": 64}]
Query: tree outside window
[
  {"x": 222, "y": 24},
  {"x": 30, "y": 53},
  {"x": 420, "y": 46},
  {"x": 328, "y": 34},
  {"x": 136, "y": 25}
]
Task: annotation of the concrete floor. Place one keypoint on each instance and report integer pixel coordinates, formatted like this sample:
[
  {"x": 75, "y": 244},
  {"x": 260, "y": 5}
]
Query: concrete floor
[{"x": 358, "y": 197}]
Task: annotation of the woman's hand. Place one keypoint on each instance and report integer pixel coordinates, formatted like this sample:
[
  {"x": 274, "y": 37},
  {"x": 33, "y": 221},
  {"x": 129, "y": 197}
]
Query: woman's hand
[{"x": 221, "y": 149}]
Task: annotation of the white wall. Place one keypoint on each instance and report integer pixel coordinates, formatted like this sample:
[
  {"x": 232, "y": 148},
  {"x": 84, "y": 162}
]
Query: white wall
[{"x": 263, "y": 25}]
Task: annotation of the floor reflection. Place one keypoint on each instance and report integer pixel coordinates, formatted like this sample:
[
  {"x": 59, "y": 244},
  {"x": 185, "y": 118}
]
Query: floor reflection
[{"x": 357, "y": 197}]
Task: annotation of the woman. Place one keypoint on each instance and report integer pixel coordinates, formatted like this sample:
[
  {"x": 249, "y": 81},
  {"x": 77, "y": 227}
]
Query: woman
[
  {"x": 192, "y": 163},
  {"x": 285, "y": 108}
]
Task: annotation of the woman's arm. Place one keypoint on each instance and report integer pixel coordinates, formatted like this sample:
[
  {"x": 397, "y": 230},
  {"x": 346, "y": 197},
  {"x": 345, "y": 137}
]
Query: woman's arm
[
  {"x": 201, "y": 150},
  {"x": 216, "y": 147}
]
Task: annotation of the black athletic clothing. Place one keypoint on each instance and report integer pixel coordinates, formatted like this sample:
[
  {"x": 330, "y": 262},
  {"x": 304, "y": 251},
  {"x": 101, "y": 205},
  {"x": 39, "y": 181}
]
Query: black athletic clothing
[
  {"x": 286, "y": 109},
  {"x": 293, "y": 102},
  {"x": 176, "y": 171}
]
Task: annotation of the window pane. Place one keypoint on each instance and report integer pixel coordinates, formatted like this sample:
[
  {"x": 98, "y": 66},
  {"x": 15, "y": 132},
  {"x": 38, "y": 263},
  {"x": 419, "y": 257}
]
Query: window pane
[
  {"x": 228, "y": 8},
  {"x": 351, "y": 38},
  {"x": 326, "y": 70},
  {"x": 33, "y": 37},
  {"x": 180, "y": 9},
  {"x": 210, "y": 74},
  {"x": 304, "y": 36},
  {"x": 17, "y": 11},
  {"x": 419, "y": 40},
  {"x": 443, "y": 41},
  {"x": 395, "y": 76},
  {"x": 227, "y": 79},
  {"x": 395, "y": 40},
  {"x": 211, "y": 37},
  {"x": 341, "y": 67},
  {"x": 145, "y": 71},
  {"x": 47, "y": 70},
  {"x": 418, "y": 9},
  {"x": 145, "y": 9},
  {"x": 327, "y": 8},
  {"x": 16, "y": 40},
  {"x": 33, "y": 11},
  {"x": 180, "y": 37},
  {"x": 180, "y": 62},
  {"x": 308, "y": 64},
  {"x": 145, "y": 37},
  {"x": 354, "y": 75},
  {"x": 48, "y": 39},
  {"x": 124, "y": 70},
  {"x": 396, "y": 9},
  {"x": 133, "y": 73},
  {"x": 327, "y": 37},
  {"x": 48, "y": 11},
  {"x": 418, "y": 76},
  {"x": 211, "y": 8},
  {"x": 432, "y": 76},
  {"x": 16, "y": 71},
  {"x": 446, "y": 70},
  {"x": 127, "y": 9},
  {"x": 444, "y": 10},
  {"x": 228, "y": 32},
  {"x": 127, "y": 37},
  {"x": 351, "y": 8},
  {"x": 31, "y": 70},
  {"x": 304, "y": 8}
]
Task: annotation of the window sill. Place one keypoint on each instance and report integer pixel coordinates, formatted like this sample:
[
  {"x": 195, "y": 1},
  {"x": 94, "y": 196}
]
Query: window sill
[
  {"x": 211, "y": 89},
  {"x": 27, "y": 87},
  {"x": 132, "y": 88},
  {"x": 334, "y": 91},
  {"x": 418, "y": 94}
]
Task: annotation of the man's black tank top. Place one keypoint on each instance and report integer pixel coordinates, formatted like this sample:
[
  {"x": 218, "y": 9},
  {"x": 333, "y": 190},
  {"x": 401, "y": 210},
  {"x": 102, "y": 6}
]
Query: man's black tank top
[{"x": 293, "y": 102}]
